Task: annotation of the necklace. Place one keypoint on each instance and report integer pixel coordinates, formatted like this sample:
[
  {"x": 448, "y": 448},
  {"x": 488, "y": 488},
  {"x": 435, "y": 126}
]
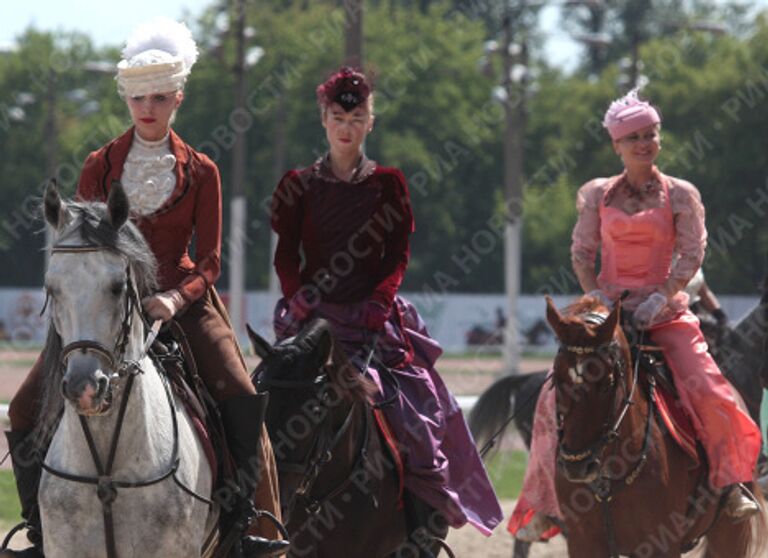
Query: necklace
[{"x": 642, "y": 192}]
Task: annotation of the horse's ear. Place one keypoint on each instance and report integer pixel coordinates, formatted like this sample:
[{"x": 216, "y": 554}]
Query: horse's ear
[
  {"x": 117, "y": 205},
  {"x": 554, "y": 317},
  {"x": 605, "y": 332},
  {"x": 55, "y": 211},
  {"x": 260, "y": 345}
]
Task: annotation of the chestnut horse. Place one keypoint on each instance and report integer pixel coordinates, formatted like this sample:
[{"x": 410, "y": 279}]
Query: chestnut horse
[{"x": 624, "y": 485}]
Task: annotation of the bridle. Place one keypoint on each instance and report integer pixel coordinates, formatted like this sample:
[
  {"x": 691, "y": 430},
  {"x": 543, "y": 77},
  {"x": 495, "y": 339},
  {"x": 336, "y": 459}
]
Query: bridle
[
  {"x": 610, "y": 432},
  {"x": 106, "y": 485},
  {"x": 603, "y": 488},
  {"x": 325, "y": 443}
]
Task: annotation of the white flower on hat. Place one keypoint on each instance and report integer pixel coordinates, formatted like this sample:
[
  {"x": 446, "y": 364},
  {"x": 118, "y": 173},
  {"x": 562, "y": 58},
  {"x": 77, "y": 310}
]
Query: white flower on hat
[{"x": 157, "y": 58}]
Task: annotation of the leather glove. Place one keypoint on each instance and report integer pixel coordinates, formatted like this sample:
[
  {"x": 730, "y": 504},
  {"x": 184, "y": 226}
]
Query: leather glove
[
  {"x": 649, "y": 309},
  {"x": 163, "y": 306},
  {"x": 721, "y": 317},
  {"x": 601, "y": 296},
  {"x": 376, "y": 315},
  {"x": 299, "y": 307}
]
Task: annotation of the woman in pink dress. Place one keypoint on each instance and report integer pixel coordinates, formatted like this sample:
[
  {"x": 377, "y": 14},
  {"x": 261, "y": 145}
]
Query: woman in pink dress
[{"x": 649, "y": 230}]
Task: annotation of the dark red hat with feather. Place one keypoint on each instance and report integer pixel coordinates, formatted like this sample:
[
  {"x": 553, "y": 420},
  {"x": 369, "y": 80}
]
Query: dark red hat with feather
[{"x": 347, "y": 87}]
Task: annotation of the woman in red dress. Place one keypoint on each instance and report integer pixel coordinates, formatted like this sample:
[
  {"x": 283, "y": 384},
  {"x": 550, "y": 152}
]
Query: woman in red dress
[
  {"x": 174, "y": 194},
  {"x": 344, "y": 225}
]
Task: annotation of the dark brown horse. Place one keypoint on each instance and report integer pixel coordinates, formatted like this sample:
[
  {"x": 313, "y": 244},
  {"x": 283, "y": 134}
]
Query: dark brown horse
[
  {"x": 338, "y": 483},
  {"x": 624, "y": 485}
]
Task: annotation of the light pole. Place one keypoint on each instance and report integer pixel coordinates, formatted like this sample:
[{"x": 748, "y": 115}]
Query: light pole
[
  {"x": 238, "y": 202},
  {"x": 514, "y": 132},
  {"x": 513, "y": 94},
  {"x": 353, "y": 39},
  {"x": 237, "y": 207},
  {"x": 279, "y": 168}
]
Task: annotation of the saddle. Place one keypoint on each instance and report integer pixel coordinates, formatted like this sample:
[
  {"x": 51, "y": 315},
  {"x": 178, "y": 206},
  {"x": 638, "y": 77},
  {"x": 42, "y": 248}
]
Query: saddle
[
  {"x": 654, "y": 372},
  {"x": 173, "y": 357}
]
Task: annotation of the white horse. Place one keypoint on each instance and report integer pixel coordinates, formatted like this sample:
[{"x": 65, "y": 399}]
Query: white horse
[{"x": 141, "y": 485}]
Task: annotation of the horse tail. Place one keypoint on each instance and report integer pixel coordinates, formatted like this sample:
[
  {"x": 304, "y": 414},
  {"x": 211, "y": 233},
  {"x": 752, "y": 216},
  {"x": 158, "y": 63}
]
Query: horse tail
[
  {"x": 746, "y": 539},
  {"x": 494, "y": 408}
]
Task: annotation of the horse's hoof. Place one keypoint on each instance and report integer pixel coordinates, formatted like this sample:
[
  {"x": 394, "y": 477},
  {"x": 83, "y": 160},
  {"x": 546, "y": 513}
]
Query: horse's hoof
[{"x": 533, "y": 532}]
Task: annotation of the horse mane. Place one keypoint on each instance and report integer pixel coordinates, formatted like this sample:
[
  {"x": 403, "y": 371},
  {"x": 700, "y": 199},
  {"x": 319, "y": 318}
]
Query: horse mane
[
  {"x": 574, "y": 312},
  {"x": 575, "y": 330},
  {"x": 345, "y": 374},
  {"x": 91, "y": 221}
]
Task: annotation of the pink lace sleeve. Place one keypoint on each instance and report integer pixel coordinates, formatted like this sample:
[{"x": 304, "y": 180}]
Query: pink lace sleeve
[
  {"x": 585, "y": 239},
  {"x": 690, "y": 229}
]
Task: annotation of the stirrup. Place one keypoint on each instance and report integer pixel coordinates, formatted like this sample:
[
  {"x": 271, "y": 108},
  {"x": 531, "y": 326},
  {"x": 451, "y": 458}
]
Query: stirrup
[{"x": 34, "y": 551}]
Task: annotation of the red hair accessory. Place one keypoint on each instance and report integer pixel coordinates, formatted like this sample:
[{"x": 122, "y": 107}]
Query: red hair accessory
[{"x": 347, "y": 87}]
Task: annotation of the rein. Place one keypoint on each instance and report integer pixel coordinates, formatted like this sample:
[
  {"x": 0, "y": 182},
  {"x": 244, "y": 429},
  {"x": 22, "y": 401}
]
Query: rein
[
  {"x": 602, "y": 488},
  {"x": 322, "y": 450},
  {"x": 106, "y": 484}
]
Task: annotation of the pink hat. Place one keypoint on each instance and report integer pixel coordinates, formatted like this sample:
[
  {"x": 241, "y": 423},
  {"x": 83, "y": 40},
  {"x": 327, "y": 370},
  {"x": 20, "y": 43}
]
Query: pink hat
[{"x": 629, "y": 114}]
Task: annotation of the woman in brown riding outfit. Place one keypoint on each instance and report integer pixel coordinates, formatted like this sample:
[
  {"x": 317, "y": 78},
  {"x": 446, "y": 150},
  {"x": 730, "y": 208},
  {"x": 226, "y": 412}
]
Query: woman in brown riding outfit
[{"x": 174, "y": 193}]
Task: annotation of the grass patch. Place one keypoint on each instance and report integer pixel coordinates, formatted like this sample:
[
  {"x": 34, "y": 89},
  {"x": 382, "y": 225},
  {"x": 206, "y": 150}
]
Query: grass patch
[
  {"x": 506, "y": 470},
  {"x": 10, "y": 509}
]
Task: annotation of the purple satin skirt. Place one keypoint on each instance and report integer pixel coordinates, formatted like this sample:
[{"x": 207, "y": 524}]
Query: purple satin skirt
[{"x": 442, "y": 466}]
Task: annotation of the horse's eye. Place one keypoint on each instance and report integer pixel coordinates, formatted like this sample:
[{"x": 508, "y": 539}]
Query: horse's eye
[{"x": 118, "y": 288}]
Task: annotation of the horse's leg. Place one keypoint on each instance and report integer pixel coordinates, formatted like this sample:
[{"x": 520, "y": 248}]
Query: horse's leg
[
  {"x": 744, "y": 539},
  {"x": 521, "y": 549},
  {"x": 585, "y": 546}
]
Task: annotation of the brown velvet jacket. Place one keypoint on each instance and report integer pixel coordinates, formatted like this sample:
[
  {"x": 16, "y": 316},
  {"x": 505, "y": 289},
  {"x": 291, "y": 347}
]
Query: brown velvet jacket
[{"x": 194, "y": 207}]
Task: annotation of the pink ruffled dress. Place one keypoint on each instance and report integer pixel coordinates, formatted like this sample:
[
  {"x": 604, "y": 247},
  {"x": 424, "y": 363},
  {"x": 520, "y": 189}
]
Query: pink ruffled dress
[{"x": 639, "y": 252}]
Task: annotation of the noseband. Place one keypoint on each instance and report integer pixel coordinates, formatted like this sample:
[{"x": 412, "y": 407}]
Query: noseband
[
  {"x": 321, "y": 452},
  {"x": 115, "y": 357}
]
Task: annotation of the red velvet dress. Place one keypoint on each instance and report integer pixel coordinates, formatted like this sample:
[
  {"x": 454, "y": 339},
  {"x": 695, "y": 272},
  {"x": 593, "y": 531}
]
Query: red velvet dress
[
  {"x": 353, "y": 235},
  {"x": 347, "y": 244}
]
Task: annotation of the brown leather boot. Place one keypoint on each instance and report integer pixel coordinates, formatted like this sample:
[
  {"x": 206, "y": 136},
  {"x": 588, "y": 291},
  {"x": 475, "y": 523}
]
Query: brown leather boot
[{"x": 243, "y": 417}]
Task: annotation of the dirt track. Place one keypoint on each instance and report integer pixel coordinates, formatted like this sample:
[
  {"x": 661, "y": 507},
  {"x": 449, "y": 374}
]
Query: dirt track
[{"x": 464, "y": 376}]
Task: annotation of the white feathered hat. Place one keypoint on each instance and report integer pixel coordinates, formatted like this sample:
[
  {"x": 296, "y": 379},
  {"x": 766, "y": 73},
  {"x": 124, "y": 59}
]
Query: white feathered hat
[{"x": 158, "y": 57}]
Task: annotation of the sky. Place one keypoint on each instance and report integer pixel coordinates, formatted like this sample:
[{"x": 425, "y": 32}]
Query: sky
[{"x": 97, "y": 19}]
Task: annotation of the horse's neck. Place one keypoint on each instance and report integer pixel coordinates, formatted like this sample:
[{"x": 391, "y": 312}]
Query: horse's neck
[
  {"x": 145, "y": 430},
  {"x": 750, "y": 334}
]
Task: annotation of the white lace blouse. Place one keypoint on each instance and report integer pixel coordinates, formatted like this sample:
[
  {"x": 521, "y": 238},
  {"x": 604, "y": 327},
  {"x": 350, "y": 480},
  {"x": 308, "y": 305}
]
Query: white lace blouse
[{"x": 148, "y": 174}]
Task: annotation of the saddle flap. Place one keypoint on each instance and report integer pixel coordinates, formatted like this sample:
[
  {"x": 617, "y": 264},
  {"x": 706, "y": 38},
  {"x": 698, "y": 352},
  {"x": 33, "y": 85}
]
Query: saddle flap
[
  {"x": 666, "y": 398},
  {"x": 175, "y": 360}
]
